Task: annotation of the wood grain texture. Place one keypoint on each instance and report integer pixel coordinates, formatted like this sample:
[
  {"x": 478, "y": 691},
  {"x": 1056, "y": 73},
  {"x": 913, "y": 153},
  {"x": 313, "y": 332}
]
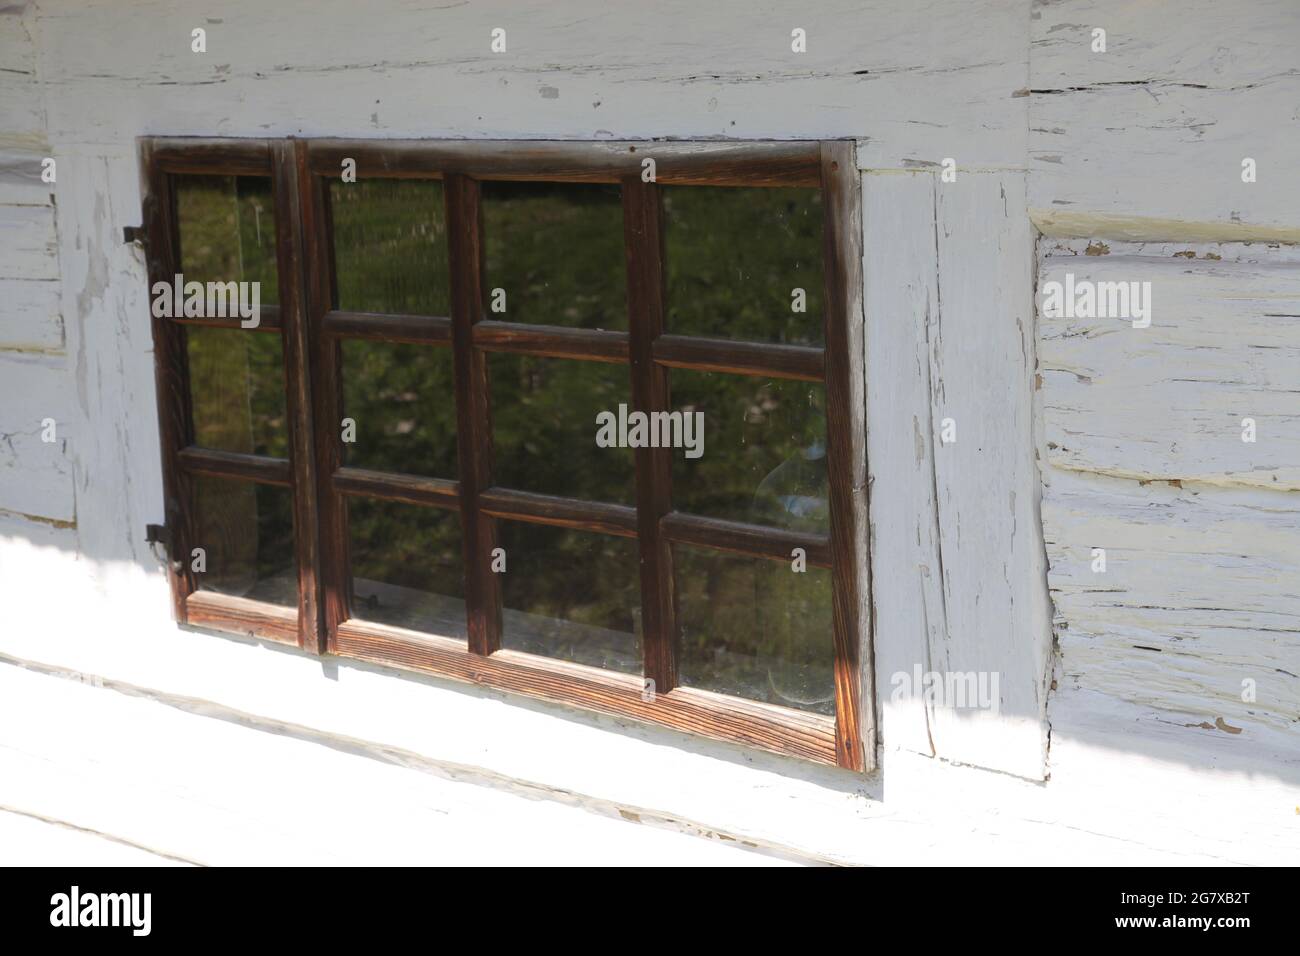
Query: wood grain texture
[
  {"x": 28, "y": 245},
  {"x": 643, "y": 242},
  {"x": 1168, "y": 401},
  {"x": 1198, "y": 597},
  {"x": 736, "y": 537},
  {"x": 798, "y": 362},
  {"x": 378, "y": 327},
  {"x": 325, "y": 369},
  {"x": 473, "y": 413},
  {"x": 597, "y": 345},
  {"x": 766, "y": 727},
  {"x": 268, "y": 320},
  {"x": 294, "y": 286},
  {"x": 33, "y": 317},
  {"x": 846, "y": 455},
  {"x": 770, "y": 164},
  {"x": 36, "y": 476},
  {"x": 559, "y": 512},
  {"x": 226, "y": 612},
  {"x": 409, "y": 489},
  {"x": 1146, "y": 140},
  {"x": 171, "y": 376},
  {"x": 958, "y": 555},
  {"x": 236, "y": 465}
]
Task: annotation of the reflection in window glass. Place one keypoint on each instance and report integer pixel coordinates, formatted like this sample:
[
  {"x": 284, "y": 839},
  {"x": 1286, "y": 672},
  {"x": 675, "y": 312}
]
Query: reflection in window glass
[
  {"x": 572, "y": 595},
  {"x": 556, "y": 250},
  {"x": 390, "y": 246},
  {"x": 227, "y": 231},
  {"x": 246, "y": 533},
  {"x": 735, "y": 255},
  {"x": 237, "y": 390},
  {"x": 544, "y": 427},
  {"x": 407, "y": 566},
  {"x": 756, "y": 629},
  {"x": 764, "y": 455},
  {"x": 403, "y": 401}
]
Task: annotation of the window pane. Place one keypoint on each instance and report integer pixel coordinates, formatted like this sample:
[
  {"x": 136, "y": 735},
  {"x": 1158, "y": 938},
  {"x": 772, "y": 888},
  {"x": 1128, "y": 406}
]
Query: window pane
[
  {"x": 556, "y": 249},
  {"x": 390, "y": 246},
  {"x": 764, "y": 451},
  {"x": 237, "y": 390},
  {"x": 544, "y": 422},
  {"x": 403, "y": 401},
  {"x": 227, "y": 231},
  {"x": 246, "y": 533},
  {"x": 755, "y": 628},
  {"x": 572, "y": 595},
  {"x": 734, "y": 257},
  {"x": 407, "y": 566}
]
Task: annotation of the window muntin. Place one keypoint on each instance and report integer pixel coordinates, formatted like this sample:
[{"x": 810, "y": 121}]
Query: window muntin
[{"x": 655, "y": 585}]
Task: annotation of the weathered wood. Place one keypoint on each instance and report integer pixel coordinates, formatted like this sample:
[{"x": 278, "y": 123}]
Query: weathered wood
[
  {"x": 473, "y": 413},
  {"x": 643, "y": 241},
  {"x": 560, "y": 512},
  {"x": 294, "y": 283},
  {"x": 1196, "y": 598},
  {"x": 36, "y": 476},
  {"x": 798, "y": 362},
  {"x": 33, "y": 317},
  {"x": 268, "y": 320},
  {"x": 378, "y": 327},
  {"x": 325, "y": 370},
  {"x": 597, "y": 345},
  {"x": 767, "y": 164},
  {"x": 28, "y": 246},
  {"x": 195, "y": 156},
  {"x": 237, "y": 465},
  {"x": 846, "y": 455},
  {"x": 737, "y": 537},
  {"x": 902, "y": 317},
  {"x": 982, "y": 356},
  {"x": 226, "y": 612},
  {"x": 766, "y": 727},
  {"x": 1108, "y": 130},
  {"x": 409, "y": 489},
  {"x": 171, "y": 377},
  {"x": 1168, "y": 401}
]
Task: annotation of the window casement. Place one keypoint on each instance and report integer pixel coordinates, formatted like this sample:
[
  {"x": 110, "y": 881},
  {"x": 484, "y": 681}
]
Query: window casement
[{"x": 401, "y": 462}]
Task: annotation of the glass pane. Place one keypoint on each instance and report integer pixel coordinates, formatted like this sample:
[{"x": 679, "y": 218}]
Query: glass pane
[
  {"x": 544, "y": 422},
  {"x": 755, "y": 628},
  {"x": 390, "y": 246},
  {"x": 556, "y": 250},
  {"x": 407, "y": 566},
  {"x": 734, "y": 257},
  {"x": 403, "y": 401},
  {"x": 572, "y": 595},
  {"x": 237, "y": 391},
  {"x": 227, "y": 231},
  {"x": 246, "y": 533},
  {"x": 764, "y": 452}
]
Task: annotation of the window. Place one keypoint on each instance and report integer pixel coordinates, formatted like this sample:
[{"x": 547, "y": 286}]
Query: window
[{"x": 425, "y": 453}]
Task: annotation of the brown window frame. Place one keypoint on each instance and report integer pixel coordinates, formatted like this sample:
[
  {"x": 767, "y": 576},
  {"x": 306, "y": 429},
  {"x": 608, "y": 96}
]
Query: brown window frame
[{"x": 312, "y": 330}]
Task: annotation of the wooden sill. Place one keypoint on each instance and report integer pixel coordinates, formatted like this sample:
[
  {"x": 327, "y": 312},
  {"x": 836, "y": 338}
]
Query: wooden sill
[{"x": 778, "y": 730}]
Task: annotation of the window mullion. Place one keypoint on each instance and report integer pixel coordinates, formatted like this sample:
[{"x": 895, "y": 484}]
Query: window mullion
[
  {"x": 326, "y": 396},
  {"x": 643, "y": 242},
  {"x": 291, "y": 266},
  {"x": 473, "y": 413}
]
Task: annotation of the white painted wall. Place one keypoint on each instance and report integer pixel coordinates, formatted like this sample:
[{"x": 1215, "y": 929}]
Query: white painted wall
[{"x": 1121, "y": 734}]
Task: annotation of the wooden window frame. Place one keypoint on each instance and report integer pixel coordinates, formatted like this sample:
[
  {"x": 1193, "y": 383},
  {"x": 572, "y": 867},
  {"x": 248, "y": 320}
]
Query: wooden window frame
[{"x": 312, "y": 330}]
